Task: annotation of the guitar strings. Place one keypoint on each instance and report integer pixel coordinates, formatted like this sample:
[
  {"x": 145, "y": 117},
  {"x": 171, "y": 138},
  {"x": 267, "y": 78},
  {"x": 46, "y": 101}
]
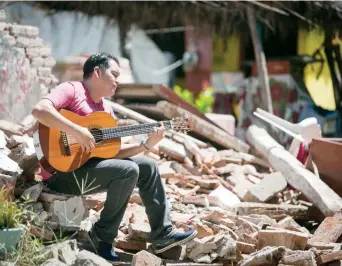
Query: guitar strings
[
  {"x": 136, "y": 128},
  {"x": 119, "y": 132},
  {"x": 74, "y": 147},
  {"x": 111, "y": 135}
]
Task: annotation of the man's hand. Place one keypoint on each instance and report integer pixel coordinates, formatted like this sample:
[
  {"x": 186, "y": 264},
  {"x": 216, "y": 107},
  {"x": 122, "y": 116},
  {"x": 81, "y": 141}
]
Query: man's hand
[
  {"x": 85, "y": 139},
  {"x": 155, "y": 137}
]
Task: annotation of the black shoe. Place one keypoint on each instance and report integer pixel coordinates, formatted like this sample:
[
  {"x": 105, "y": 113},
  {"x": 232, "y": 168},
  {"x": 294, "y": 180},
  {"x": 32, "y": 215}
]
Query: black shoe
[
  {"x": 101, "y": 248},
  {"x": 176, "y": 239}
]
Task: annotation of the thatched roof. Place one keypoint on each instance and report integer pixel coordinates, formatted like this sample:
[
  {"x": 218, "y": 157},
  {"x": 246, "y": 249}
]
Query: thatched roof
[{"x": 225, "y": 16}]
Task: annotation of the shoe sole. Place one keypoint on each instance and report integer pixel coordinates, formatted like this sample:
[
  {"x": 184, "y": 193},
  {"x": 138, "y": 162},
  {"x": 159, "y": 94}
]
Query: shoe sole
[{"x": 176, "y": 243}]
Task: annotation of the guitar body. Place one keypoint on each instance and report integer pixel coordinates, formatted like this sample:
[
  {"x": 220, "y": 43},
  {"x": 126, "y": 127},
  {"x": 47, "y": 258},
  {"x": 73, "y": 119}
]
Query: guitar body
[{"x": 62, "y": 151}]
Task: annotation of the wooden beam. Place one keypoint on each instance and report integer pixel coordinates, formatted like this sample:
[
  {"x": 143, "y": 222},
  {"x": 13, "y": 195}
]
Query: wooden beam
[
  {"x": 260, "y": 61},
  {"x": 327, "y": 201},
  {"x": 204, "y": 128},
  {"x": 154, "y": 93}
]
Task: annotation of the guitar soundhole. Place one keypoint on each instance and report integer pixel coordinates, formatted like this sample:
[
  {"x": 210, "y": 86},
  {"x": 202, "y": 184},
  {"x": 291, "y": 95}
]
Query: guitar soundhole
[{"x": 97, "y": 133}]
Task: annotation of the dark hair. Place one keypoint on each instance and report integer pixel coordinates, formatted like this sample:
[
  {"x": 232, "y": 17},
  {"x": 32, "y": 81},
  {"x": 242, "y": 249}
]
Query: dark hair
[{"x": 100, "y": 60}]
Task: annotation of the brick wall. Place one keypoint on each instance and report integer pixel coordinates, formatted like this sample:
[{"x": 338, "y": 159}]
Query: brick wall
[{"x": 25, "y": 69}]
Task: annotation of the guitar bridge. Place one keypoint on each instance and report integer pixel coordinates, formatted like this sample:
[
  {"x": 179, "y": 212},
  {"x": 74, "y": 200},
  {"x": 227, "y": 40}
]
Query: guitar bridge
[{"x": 65, "y": 144}]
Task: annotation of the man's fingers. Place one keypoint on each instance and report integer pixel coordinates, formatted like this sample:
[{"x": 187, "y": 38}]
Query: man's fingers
[{"x": 82, "y": 147}]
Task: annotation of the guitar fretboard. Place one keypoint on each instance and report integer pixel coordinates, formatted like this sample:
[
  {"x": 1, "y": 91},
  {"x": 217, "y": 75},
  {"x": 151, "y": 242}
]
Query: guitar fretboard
[{"x": 124, "y": 131}]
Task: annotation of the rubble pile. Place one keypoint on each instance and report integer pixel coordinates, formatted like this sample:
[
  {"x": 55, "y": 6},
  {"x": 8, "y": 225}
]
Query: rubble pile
[{"x": 245, "y": 213}]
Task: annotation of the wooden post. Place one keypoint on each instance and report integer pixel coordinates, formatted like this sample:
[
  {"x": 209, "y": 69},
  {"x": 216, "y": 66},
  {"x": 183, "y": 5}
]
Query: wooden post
[
  {"x": 333, "y": 54},
  {"x": 261, "y": 62}
]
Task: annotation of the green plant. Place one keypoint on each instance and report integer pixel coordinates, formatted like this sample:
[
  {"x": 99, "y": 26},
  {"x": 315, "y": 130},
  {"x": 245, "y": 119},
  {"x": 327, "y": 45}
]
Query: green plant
[
  {"x": 185, "y": 94},
  {"x": 29, "y": 251},
  {"x": 11, "y": 213},
  {"x": 203, "y": 102}
]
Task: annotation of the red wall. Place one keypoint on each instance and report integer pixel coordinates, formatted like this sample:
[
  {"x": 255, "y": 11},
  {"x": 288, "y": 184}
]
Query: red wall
[{"x": 199, "y": 79}]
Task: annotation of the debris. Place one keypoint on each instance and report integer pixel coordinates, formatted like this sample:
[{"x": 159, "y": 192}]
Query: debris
[
  {"x": 143, "y": 258},
  {"x": 289, "y": 239},
  {"x": 267, "y": 188},
  {"x": 294, "y": 172},
  {"x": 329, "y": 231},
  {"x": 204, "y": 128},
  {"x": 69, "y": 212}
]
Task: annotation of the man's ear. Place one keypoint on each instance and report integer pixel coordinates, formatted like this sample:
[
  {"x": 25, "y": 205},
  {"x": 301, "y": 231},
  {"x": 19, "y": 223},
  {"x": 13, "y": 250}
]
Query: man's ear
[{"x": 97, "y": 71}]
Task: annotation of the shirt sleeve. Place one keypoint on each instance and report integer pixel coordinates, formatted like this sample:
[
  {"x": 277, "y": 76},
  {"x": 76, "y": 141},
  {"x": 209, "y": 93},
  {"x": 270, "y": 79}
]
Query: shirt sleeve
[
  {"x": 62, "y": 96},
  {"x": 113, "y": 114}
]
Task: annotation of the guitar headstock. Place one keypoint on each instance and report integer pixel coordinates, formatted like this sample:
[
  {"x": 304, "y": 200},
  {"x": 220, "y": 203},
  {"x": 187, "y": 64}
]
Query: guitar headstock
[{"x": 181, "y": 124}]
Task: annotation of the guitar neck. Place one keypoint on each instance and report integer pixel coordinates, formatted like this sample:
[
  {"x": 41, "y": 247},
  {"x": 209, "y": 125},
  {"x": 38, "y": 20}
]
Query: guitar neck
[{"x": 124, "y": 131}]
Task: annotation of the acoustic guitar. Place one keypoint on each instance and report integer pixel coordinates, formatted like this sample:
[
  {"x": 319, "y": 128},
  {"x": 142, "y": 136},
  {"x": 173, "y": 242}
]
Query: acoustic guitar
[{"x": 61, "y": 151}]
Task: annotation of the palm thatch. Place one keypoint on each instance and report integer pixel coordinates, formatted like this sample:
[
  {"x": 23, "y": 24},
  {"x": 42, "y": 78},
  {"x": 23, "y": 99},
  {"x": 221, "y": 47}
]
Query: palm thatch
[{"x": 223, "y": 16}]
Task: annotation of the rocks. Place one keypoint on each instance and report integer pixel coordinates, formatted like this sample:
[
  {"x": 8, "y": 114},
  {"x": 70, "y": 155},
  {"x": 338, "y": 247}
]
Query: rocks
[
  {"x": 329, "y": 257},
  {"x": 69, "y": 212},
  {"x": 65, "y": 252},
  {"x": 289, "y": 222},
  {"x": 274, "y": 211},
  {"x": 9, "y": 167},
  {"x": 299, "y": 258},
  {"x": 228, "y": 196},
  {"x": 268, "y": 256},
  {"x": 144, "y": 258},
  {"x": 139, "y": 231},
  {"x": 286, "y": 238},
  {"x": 329, "y": 231},
  {"x": 53, "y": 262},
  {"x": 86, "y": 258},
  {"x": 267, "y": 188},
  {"x": 33, "y": 193},
  {"x": 10, "y": 128},
  {"x": 209, "y": 248},
  {"x": 8, "y": 182},
  {"x": 25, "y": 155},
  {"x": 130, "y": 244}
]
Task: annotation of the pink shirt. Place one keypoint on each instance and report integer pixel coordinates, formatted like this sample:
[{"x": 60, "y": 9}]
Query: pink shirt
[{"x": 74, "y": 96}]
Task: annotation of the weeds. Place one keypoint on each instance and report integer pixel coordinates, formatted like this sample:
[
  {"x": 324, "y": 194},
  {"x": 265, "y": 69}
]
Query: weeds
[
  {"x": 14, "y": 214},
  {"x": 10, "y": 213},
  {"x": 28, "y": 251},
  {"x": 84, "y": 188}
]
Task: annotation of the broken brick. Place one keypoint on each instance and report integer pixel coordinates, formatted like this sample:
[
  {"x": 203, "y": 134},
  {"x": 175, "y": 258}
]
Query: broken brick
[
  {"x": 328, "y": 257},
  {"x": 267, "y": 188},
  {"x": 289, "y": 239},
  {"x": 203, "y": 230},
  {"x": 329, "y": 231},
  {"x": 245, "y": 248},
  {"x": 130, "y": 244},
  {"x": 143, "y": 258},
  {"x": 139, "y": 232}
]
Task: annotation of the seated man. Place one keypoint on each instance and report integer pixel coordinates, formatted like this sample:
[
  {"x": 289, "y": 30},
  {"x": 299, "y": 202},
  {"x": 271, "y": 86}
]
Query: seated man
[{"x": 118, "y": 175}]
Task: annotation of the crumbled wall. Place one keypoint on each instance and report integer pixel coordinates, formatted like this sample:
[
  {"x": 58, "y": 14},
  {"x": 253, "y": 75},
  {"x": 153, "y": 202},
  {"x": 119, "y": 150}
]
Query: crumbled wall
[{"x": 25, "y": 69}]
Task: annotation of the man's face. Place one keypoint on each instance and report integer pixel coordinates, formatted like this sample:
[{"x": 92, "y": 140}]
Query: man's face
[{"x": 108, "y": 79}]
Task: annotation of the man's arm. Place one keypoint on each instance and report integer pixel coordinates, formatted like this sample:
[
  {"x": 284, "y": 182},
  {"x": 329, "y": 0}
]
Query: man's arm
[
  {"x": 45, "y": 113},
  {"x": 129, "y": 150}
]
